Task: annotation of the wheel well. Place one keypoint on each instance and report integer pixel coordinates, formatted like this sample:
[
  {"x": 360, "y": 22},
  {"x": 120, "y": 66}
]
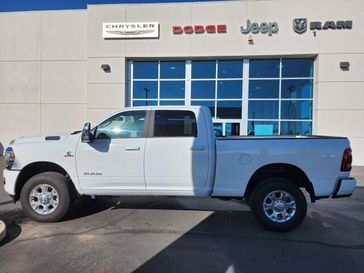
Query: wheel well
[
  {"x": 36, "y": 168},
  {"x": 288, "y": 171}
]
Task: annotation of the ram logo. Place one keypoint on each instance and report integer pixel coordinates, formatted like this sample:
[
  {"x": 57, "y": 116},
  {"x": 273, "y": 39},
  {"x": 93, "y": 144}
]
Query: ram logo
[
  {"x": 69, "y": 154},
  {"x": 300, "y": 25}
]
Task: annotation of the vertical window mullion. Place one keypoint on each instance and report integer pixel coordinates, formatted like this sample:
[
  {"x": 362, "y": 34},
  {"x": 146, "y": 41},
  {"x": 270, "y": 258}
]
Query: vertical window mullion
[
  {"x": 131, "y": 82},
  {"x": 188, "y": 83},
  {"x": 159, "y": 83},
  {"x": 280, "y": 96},
  {"x": 216, "y": 71},
  {"x": 245, "y": 97}
]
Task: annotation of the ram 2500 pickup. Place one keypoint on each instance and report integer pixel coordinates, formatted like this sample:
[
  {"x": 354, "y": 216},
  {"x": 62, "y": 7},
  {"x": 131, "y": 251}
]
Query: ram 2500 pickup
[{"x": 173, "y": 151}]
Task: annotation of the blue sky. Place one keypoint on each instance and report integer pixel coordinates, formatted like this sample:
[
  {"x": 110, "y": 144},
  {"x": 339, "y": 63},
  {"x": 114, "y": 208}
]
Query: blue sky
[{"x": 22, "y": 5}]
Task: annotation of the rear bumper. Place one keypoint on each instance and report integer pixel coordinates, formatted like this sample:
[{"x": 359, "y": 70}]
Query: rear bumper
[{"x": 344, "y": 187}]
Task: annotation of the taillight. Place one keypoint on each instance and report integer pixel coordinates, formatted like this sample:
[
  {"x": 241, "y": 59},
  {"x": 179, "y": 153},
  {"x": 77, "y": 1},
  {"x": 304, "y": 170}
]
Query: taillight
[{"x": 346, "y": 162}]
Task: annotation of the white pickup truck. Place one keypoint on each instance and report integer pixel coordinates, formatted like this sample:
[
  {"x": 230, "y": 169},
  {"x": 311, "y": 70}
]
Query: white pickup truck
[{"x": 173, "y": 151}]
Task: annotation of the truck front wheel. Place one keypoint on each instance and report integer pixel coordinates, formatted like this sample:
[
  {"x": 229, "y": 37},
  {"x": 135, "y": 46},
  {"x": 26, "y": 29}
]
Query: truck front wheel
[
  {"x": 278, "y": 204},
  {"x": 46, "y": 197}
]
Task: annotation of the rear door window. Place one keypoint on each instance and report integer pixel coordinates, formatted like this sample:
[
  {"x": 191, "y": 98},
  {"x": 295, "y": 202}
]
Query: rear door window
[{"x": 170, "y": 123}]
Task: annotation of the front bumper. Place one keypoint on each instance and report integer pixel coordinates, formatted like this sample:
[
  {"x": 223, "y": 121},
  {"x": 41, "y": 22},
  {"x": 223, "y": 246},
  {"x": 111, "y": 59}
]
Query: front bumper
[
  {"x": 344, "y": 187},
  {"x": 10, "y": 178}
]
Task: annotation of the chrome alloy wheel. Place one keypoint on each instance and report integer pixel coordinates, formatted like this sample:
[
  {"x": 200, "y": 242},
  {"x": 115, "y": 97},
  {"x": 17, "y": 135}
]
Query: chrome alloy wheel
[
  {"x": 279, "y": 206},
  {"x": 43, "y": 199}
]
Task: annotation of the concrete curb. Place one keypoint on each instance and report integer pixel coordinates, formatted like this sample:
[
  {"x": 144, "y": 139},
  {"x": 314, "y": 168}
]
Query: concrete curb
[{"x": 2, "y": 230}]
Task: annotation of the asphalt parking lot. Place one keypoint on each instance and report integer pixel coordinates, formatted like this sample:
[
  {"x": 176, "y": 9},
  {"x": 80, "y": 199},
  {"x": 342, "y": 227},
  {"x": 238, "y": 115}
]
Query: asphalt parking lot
[{"x": 167, "y": 234}]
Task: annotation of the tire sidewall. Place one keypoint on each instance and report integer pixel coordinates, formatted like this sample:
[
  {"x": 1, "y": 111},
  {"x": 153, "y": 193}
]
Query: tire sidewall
[
  {"x": 274, "y": 184},
  {"x": 56, "y": 180}
]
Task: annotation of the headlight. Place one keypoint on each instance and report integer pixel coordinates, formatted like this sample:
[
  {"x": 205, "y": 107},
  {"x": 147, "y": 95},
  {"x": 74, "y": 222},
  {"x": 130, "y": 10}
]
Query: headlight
[{"x": 9, "y": 157}]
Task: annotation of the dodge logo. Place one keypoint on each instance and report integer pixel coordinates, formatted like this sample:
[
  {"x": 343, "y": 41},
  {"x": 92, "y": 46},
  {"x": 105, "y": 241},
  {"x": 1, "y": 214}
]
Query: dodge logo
[{"x": 300, "y": 25}]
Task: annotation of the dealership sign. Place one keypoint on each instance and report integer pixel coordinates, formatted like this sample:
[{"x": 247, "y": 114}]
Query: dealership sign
[
  {"x": 264, "y": 27},
  {"x": 300, "y": 25},
  {"x": 130, "y": 30},
  {"x": 199, "y": 29}
]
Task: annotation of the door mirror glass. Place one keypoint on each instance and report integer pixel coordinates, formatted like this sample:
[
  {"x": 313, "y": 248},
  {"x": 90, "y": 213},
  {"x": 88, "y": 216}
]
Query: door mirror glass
[{"x": 87, "y": 135}]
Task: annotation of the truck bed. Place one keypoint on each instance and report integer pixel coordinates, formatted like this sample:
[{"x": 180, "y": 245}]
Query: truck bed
[{"x": 239, "y": 157}]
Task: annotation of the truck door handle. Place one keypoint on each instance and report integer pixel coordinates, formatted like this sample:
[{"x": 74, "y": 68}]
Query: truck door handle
[
  {"x": 197, "y": 148},
  {"x": 136, "y": 148}
]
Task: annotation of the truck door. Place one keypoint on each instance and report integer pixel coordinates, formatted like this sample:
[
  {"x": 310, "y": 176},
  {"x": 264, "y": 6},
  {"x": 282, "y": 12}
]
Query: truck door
[
  {"x": 114, "y": 160},
  {"x": 177, "y": 153}
]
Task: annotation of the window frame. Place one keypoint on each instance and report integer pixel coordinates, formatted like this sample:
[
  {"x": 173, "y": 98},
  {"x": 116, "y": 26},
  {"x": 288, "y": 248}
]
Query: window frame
[{"x": 152, "y": 123}]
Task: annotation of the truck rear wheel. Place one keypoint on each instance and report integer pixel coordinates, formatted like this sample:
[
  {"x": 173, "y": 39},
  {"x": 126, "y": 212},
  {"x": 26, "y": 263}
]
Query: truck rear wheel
[
  {"x": 46, "y": 197},
  {"x": 278, "y": 204}
]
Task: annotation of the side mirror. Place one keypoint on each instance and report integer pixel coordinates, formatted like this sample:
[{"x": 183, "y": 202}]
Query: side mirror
[{"x": 87, "y": 136}]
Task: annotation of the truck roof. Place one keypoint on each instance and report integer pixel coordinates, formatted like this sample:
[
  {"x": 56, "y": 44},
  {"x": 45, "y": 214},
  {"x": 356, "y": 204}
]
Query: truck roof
[{"x": 164, "y": 107}]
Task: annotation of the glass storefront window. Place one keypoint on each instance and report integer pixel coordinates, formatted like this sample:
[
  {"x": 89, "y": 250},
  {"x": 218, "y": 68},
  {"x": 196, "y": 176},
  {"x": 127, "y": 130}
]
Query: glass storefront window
[
  {"x": 172, "y": 102},
  {"x": 263, "y": 109},
  {"x": 145, "y": 90},
  {"x": 296, "y": 128},
  {"x": 173, "y": 69},
  {"x": 203, "y": 69},
  {"x": 203, "y": 90},
  {"x": 268, "y": 89},
  {"x": 296, "y": 68},
  {"x": 230, "y": 69},
  {"x": 145, "y": 102},
  {"x": 293, "y": 109},
  {"x": 264, "y": 68},
  {"x": 232, "y": 129},
  {"x": 145, "y": 70},
  {"x": 218, "y": 129},
  {"x": 275, "y": 97},
  {"x": 172, "y": 89},
  {"x": 229, "y": 109},
  {"x": 262, "y": 128},
  {"x": 297, "y": 89},
  {"x": 229, "y": 89}
]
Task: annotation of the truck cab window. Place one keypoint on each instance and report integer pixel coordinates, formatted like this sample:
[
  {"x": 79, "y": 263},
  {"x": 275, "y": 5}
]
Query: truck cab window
[
  {"x": 169, "y": 123},
  {"x": 122, "y": 125}
]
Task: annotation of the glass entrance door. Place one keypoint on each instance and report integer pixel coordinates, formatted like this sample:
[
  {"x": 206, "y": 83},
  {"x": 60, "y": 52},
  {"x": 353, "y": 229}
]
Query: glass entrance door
[{"x": 227, "y": 128}]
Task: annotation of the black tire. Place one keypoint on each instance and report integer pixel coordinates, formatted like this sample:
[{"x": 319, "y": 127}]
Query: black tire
[
  {"x": 277, "y": 184},
  {"x": 56, "y": 180}
]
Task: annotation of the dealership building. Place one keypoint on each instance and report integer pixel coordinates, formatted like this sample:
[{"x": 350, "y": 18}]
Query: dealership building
[{"x": 275, "y": 67}]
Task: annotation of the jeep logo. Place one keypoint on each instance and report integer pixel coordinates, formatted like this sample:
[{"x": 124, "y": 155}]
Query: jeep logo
[{"x": 264, "y": 27}]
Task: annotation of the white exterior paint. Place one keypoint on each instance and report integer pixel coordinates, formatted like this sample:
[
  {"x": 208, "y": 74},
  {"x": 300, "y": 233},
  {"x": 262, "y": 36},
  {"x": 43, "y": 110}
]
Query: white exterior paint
[
  {"x": 187, "y": 166},
  {"x": 50, "y": 61},
  {"x": 122, "y": 164},
  {"x": 182, "y": 164},
  {"x": 319, "y": 158}
]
